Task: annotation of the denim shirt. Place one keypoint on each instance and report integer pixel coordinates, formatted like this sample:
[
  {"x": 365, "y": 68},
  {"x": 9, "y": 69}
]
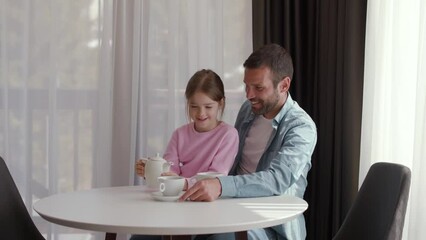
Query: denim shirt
[{"x": 283, "y": 167}]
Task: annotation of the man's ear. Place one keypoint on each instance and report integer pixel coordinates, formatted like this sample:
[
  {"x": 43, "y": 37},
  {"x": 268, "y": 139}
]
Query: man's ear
[{"x": 284, "y": 85}]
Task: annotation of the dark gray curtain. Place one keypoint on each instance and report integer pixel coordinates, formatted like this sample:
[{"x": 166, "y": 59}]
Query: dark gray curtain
[{"x": 326, "y": 41}]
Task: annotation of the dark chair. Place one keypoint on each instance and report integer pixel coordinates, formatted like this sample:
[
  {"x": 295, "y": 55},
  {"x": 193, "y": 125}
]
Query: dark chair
[
  {"x": 15, "y": 221},
  {"x": 378, "y": 211}
]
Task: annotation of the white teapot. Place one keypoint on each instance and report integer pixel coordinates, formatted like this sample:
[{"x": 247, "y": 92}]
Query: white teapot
[{"x": 154, "y": 167}]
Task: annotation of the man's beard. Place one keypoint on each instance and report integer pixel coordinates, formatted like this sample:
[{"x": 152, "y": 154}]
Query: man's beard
[{"x": 267, "y": 105}]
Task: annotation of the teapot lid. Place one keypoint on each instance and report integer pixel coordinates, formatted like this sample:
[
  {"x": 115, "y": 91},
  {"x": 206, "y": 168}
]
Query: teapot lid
[{"x": 157, "y": 157}]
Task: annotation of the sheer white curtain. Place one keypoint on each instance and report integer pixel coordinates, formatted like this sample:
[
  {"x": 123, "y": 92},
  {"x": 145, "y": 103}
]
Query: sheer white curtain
[
  {"x": 175, "y": 39},
  {"x": 394, "y": 109},
  {"x": 53, "y": 91},
  {"x": 86, "y": 87},
  {"x": 55, "y": 101}
]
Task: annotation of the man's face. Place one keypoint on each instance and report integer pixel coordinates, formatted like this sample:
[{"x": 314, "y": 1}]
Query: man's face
[{"x": 265, "y": 99}]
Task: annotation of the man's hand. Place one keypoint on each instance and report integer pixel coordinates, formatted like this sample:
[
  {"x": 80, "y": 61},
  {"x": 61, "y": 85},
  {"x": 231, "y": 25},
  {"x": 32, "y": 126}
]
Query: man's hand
[
  {"x": 206, "y": 190},
  {"x": 169, "y": 174}
]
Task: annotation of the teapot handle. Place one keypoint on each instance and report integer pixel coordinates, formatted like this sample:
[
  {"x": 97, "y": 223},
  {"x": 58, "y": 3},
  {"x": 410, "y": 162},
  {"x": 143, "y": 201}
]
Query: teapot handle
[{"x": 166, "y": 166}]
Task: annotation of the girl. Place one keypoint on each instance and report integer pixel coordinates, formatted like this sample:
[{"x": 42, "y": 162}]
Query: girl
[{"x": 206, "y": 143}]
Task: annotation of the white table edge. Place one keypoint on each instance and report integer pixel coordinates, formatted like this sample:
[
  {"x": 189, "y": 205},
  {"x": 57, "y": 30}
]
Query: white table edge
[{"x": 299, "y": 209}]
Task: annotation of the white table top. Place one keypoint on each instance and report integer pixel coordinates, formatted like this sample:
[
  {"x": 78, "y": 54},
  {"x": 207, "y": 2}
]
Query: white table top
[{"x": 133, "y": 210}]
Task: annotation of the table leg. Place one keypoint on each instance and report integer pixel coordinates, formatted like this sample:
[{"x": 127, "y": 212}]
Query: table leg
[
  {"x": 110, "y": 236},
  {"x": 241, "y": 235}
]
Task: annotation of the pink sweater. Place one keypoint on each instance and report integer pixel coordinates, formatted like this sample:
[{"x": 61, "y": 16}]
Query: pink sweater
[{"x": 192, "y": 152}]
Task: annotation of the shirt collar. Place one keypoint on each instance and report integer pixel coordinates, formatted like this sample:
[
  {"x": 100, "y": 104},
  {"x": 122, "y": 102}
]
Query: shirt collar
[{"x": 287, "y": 105}]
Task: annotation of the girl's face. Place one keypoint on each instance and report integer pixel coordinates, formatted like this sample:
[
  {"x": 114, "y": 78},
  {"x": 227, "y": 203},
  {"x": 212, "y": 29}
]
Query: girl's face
[{"x": 204, "y": 112}]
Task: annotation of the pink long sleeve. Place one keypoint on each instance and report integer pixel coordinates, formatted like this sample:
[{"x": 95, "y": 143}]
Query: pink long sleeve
[{"x": 192, "y": 152}]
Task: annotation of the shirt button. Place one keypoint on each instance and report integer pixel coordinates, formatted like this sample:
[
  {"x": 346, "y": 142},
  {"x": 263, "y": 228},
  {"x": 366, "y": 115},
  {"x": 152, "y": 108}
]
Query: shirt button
[{"x": 180, "y": 164}]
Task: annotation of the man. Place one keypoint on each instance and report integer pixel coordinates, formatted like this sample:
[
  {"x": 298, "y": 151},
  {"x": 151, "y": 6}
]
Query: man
[{"x": 277, "y": 139}]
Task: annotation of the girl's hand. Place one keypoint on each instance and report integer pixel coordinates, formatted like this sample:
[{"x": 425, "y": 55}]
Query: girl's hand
[{"x": 140, "y": 167}]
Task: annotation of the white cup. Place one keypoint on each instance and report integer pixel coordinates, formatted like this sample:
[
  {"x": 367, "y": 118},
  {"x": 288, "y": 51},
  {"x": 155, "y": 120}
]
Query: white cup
[
  {"x": 171, "y": 185},
  {"x": 204, "y": 175}
]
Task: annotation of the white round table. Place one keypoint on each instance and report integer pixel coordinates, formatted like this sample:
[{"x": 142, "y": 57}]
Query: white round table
[{"x": 133, "y": 210}]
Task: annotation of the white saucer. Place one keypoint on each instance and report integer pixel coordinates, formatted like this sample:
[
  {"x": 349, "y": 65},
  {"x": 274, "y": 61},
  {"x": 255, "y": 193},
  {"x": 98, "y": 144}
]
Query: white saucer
[{"x": 160, "y": 197}]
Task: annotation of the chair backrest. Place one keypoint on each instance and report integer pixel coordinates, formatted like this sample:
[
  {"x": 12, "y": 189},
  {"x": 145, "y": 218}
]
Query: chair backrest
[
  {"x": 378, "y": 211},
  {"x": 15, "y": 221}
]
